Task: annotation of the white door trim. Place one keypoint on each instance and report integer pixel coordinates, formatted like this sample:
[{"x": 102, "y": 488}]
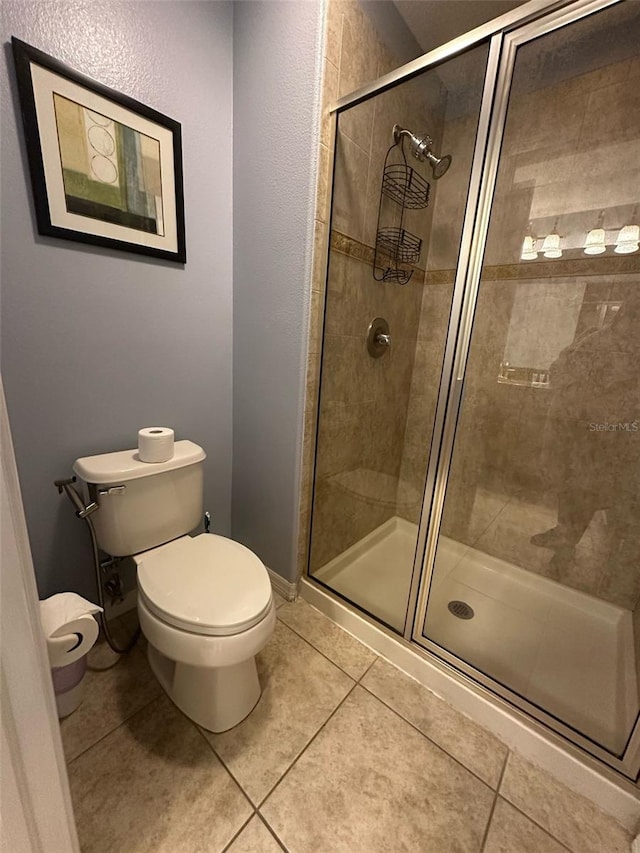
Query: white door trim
[{"x": 37, "y": 815}]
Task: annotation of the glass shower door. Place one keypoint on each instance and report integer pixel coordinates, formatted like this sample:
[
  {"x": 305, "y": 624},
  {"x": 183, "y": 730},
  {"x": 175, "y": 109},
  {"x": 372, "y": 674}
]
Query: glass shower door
[
  {"x": 377, "y": 401},
  {"x": 535, "y": 586}
]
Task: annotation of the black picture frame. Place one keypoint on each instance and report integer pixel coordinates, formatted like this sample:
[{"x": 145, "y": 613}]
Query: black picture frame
[{"x": 105, "y": 168}]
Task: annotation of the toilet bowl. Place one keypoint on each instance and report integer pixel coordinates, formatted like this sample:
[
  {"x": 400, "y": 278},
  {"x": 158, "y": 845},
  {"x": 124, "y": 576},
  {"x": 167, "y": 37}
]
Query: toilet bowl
[
  {"x": 206, "y": 608},
  {"x": 204, "y": 602}
]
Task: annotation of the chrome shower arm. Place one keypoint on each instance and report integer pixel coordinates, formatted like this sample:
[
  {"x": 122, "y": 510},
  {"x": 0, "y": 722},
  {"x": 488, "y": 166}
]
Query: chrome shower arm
[
  {"x": 419, "y": 144},
  {"x": 421, "y": 150}
]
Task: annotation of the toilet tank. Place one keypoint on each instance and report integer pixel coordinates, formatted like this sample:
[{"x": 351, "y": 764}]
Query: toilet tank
[{"x": 143, "y": 504}]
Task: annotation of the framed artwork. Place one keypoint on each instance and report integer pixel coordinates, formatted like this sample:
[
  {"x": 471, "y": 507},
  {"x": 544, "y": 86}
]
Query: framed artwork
[{"x": 105, "y": 169}]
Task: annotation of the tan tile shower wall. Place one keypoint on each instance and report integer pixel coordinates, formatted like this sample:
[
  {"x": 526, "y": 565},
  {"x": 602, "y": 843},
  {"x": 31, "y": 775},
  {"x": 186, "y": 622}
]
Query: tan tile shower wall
[
  {"x": 494, "y": 498},
  {"x": 365, "y": 401},
  {"x": 363, "y": 406}
]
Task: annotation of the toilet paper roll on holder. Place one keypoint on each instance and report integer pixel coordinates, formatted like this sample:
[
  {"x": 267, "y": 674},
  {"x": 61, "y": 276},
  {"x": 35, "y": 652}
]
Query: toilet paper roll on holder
[{"x": 68, "y": 648}]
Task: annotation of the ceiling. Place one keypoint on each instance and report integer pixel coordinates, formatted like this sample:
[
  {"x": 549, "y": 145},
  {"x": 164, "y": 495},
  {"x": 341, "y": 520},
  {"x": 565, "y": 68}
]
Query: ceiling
[{"x": 434, "y": 22}]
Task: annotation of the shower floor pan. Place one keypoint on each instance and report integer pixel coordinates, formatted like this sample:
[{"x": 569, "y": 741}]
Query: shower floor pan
[{"x": 563, "y": 650}]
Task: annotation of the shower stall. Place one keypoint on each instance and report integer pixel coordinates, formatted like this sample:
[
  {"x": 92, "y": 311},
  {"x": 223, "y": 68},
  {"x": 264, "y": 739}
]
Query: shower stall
[{"x": 477, "y": 466}]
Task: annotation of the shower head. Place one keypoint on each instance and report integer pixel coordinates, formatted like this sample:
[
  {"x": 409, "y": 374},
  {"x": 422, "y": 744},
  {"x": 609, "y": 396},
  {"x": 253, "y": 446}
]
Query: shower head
[
  {"x": 421, "y": 150},
  {"x": 438, "y": 164}
]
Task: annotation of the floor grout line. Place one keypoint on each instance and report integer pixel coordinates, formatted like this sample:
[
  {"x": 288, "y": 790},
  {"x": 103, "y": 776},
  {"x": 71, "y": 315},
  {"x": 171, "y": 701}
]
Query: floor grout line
[
  {"x": 493, "y": 804},
  {"x": 307, "y": 745},
  {"x": 540, "y": 827},
  {"x": 118, "y": 726},
  {"x": 375, "y": 660},
  {"x": 359, "y": 681},
  {"x": 320, "y": 652},
  {"x": 530, "y": 818},
  {"x": 272, "y": 831},
  {"x": 220, "y": 759},
  {"x": 237, "y": 834},
  {"x": 431, "y": 740},
  {"x": 271, "y": 790},
  {"x": 226, "y": 767}
]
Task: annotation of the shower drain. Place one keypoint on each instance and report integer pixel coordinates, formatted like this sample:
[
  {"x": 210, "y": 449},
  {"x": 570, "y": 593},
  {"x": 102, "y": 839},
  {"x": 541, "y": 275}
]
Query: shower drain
[{"x": 461, "y": 609}]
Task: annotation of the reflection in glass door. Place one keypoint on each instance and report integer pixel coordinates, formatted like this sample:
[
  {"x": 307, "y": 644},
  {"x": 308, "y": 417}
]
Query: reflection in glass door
[
  {"x": 377, "y": 405},
  {"x": 536, "y": 580}
]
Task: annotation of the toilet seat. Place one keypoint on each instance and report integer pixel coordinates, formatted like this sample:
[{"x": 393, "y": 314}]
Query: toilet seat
[{"x": 205, "y": 584}]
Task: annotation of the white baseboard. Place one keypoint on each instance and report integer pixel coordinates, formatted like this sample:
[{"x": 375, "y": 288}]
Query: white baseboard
[{"x": 282, "y": 586}]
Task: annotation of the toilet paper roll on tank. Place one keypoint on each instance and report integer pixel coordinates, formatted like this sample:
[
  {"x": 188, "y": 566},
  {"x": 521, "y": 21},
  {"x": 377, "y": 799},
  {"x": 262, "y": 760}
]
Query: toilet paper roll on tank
[{"x": 155, "y": 444}]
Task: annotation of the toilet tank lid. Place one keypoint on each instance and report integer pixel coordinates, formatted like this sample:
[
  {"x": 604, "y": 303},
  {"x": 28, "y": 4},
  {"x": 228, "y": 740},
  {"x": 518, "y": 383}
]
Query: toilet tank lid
[{"x": 126, "y": 465}]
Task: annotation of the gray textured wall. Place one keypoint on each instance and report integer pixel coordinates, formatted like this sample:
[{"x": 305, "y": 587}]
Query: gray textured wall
[
  {"x": 98, "y": 343},
  {"x": 276, "y": 91}
]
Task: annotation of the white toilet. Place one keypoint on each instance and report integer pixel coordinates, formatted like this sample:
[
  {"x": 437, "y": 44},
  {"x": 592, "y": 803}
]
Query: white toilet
[{"x": 204, "y": 602}]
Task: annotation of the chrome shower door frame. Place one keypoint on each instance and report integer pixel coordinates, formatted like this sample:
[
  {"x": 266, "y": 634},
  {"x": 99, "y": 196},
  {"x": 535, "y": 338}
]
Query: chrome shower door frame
[
  {"x": 484, "y": 172},
  {"x": 504, "y": 35}
]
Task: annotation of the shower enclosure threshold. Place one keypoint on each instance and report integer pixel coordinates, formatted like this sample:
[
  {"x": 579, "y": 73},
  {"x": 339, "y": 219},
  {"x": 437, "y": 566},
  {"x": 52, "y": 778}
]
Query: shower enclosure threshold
[{"x": 561, "y": 649}]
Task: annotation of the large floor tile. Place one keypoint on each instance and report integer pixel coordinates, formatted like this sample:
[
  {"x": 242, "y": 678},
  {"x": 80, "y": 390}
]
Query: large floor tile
[
  {"x": 300, "y": 689},
  {"x": 370, "y": 783},
  {"x": 255, "y": 838},
  {"x": 567, "y": 816},
  {"x": 512, "y": 832},
  {"x": 111, "y": 695},
  {"x": 466, "y": 741},
  {"x": 339, "y": 646},
  {"x": 155, "y": 785}
]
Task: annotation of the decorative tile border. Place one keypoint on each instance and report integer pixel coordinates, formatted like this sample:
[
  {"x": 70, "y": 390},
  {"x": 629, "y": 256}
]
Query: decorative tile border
[
  {"x": 535, "y": 270},
  {"x": 440, "y": 277},
  {"x": 565, "y": 268},
  {"x": 355, "y": 249}
]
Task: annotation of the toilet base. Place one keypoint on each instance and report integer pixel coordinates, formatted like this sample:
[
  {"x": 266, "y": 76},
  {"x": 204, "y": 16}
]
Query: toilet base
[{"x": 216, "y": 698}]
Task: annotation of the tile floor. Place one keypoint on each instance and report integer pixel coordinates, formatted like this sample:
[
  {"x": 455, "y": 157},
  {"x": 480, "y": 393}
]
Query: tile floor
[{"x": 342, "y": 753}]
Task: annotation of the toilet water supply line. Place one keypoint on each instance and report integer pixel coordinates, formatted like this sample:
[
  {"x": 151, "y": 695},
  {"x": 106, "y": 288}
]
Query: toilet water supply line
[{"x": 84, "y": 512}]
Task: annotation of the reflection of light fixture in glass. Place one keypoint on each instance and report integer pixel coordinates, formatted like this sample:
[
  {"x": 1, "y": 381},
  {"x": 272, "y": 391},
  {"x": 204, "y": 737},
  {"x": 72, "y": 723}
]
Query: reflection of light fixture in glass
[
  {"x": 628, "y": 240},
  {"x": 529, "y": 252},
  {"x": 594, "y": 243},
  {"x": 629, "y": 237},
  {"x": 551, "y": 244}
]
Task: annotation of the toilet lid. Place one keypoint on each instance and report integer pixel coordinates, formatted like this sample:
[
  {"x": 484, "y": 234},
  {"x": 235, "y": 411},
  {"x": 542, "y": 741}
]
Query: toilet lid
[{"x": 205, "y": 584}]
